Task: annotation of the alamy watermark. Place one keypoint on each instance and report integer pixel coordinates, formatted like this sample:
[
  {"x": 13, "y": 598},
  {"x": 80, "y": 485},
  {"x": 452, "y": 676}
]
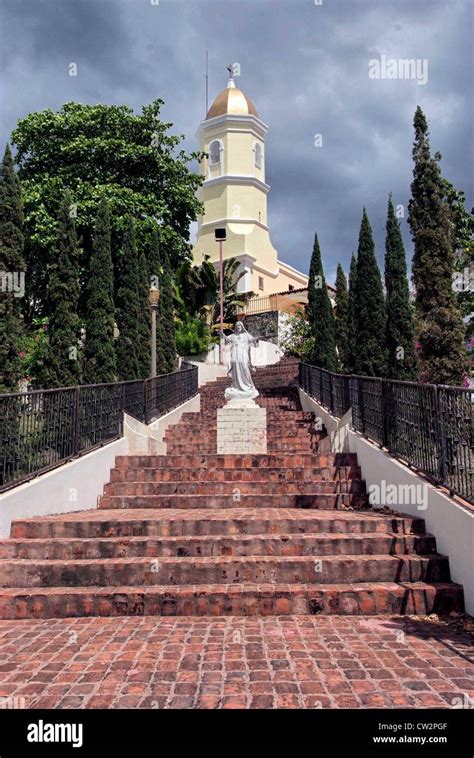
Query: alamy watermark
[
  {"x": 399, "y": 494},
  {"x": 401, "y": 68},
  {"x": 46, "y": 732},
  {"x": 13, "y": 281}
]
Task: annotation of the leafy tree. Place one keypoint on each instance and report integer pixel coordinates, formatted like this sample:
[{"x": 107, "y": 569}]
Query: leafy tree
[
  {"x": 463, "y": 246},
  {"x": 128, "y": 306},
  {"x": 298, "y": 340},
  {"x": 343, "y": 323},
  {"x": 12, "y": 267},
  {"x": 99, "y": 348},
  {"x": 370, "y": 315},
  {"x": 62, "y": 366},
  {"x": 320, "y": 314},
  {"x": 199, "y": 288},
  {"x": 102, "y": 151},
  {"x": 167, "y": 316},
  {"x": 192, "y": 336},
  {"x": 440, "y": 326},
  {"x": 352, "y": 346},
  {"x": 144, "y": 319},
  {"x": 402, "y": 362}
]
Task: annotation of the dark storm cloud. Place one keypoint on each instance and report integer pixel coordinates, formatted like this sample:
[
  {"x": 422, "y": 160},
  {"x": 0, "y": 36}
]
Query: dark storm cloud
[{"x": 306, "y": 68}]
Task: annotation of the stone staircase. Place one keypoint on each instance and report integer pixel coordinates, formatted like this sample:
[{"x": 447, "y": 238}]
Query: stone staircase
[{"x": 196, "y": 533}]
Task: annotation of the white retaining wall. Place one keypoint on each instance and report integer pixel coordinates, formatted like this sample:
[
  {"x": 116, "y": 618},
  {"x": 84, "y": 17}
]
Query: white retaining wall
[
  {"x": 451, "y": 522},
  {"x": 74, "y": 486},
  {"x": 77, "y": 485},
  {"x": 149, "y": 439}
]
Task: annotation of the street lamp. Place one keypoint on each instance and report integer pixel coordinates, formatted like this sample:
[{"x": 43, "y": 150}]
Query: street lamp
[
  {"x": 220, "y": 237},
  {"x": 153, "y": 300}
]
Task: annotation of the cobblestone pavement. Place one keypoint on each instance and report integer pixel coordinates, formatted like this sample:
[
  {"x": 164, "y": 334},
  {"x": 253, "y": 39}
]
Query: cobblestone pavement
[{"x": 267, "y": 662}]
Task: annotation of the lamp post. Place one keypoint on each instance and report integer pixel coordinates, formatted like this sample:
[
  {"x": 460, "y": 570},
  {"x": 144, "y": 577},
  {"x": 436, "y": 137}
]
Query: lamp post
[
  {"x": 220, "y": 237},
  {"x": 153, "y": 300}
]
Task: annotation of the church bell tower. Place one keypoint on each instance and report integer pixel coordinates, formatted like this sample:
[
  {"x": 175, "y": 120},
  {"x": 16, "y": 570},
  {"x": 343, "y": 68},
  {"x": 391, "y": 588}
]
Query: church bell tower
[{"x": 234, "y": 194}]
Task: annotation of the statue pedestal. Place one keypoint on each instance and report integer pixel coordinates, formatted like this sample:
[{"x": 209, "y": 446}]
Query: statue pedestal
[{"x": 241, "y": 428}]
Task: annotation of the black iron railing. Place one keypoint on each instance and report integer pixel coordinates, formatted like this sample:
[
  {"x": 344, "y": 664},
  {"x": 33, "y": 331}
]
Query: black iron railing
[
  {"x": 42, "y": 429},
  {"x": 428, "y": 426}
]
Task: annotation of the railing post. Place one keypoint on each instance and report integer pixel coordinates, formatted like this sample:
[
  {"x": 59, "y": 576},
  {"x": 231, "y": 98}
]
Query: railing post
[
  {"x": 385, "y": 412},
  {"x": 331, "y": 393},
  {"x": 347, "y": 393},
  {"x": 75, "y": 421},
  {"x": 440, "y": 437},
  {"x": 146, "y": 399},
  {"x": 360, "y": 394}
]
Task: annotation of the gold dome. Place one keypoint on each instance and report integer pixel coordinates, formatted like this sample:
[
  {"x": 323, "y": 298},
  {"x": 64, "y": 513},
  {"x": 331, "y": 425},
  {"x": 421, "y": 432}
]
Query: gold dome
[{"x": 232, "y": 100}]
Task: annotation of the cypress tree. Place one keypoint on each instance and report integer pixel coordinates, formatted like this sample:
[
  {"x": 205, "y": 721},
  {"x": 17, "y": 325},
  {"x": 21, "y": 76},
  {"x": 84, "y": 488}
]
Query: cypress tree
[
  {"x": 370, "y": 316},
  {"x": 155, "y": 272},
  {"x": 99, "y": 348},
  {"x": 320, "y": 314},
  {"x": 128, "y": 306},
  {"x": 13, "y": 267},
  {"x": 352, "y": 346},
  {"x": 342, "y": 318},
  {"x": 440, "y": 328},
  {"x": 166, "y": 316},
  {"x": 144, "y": 319},
  {"x": 402, "y": 362},
  {"x": 62, "y": 366}
]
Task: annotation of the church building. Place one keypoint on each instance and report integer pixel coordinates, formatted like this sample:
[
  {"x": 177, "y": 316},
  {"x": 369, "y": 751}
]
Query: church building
[{"x": 234, "y": 194}]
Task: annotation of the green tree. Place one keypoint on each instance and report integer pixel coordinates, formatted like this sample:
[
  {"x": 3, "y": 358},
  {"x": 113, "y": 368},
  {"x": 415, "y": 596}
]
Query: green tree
[
  {"x": 167, "y": 316},
  {"x": 298, "y": 340},
  {"x": 463, "y": 246},
  {"x": 100, "y": 151},
  {"x": 12, "y": 267},
  {"x": 99, "y": 347},
  {"x": 127, "y": 303},
  {"x": 402, "y": 361},
  {"x": 352, "y": 346},
  {"x": 370, "y": 315},
  {"x": 199, "y": 288},
  {"x": 62, "y": 365},
  {"x": 192, "y": 336},
  {"x": 440, "y": 327},
  {"x": 342, "y": 319},
  {"x": 144, "y": 319},
  {"x": 320, "y": 315}
]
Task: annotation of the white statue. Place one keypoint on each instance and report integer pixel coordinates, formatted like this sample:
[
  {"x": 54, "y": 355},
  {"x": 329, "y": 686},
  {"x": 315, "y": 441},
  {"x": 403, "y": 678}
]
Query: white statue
[{"x": 242, "y": 386}]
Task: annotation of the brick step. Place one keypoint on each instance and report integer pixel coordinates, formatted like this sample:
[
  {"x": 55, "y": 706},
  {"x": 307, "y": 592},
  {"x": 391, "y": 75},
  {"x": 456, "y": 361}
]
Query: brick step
[
  {"x": 263, "y": 488},
  {"x": 234, "y": 600},
  {"x": 297, "y": 428},
  {"x": 235, "y": 521},
  {"x": 236, "y": 475},
  {"x": 210, "y": 447},
  {"x": 211, "y": 461},
  {"x": 329, "y": 569},
  {"x": 280, "y": 544},
  {"x": 323, "y": 500},
  {"x": 193, "y": 435}
]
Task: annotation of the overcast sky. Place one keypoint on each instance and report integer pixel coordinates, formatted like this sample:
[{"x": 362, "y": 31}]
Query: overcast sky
[{"x": 305, "y": 66}]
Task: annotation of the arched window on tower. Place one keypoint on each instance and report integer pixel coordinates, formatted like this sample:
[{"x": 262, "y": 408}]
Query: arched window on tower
[
  {"x": 214, "y": 152},
  {"x": 257, "y": 155}
]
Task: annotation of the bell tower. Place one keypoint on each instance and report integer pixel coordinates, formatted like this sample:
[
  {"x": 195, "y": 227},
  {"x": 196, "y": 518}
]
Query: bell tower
[{"x": 234, "y": 192}]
